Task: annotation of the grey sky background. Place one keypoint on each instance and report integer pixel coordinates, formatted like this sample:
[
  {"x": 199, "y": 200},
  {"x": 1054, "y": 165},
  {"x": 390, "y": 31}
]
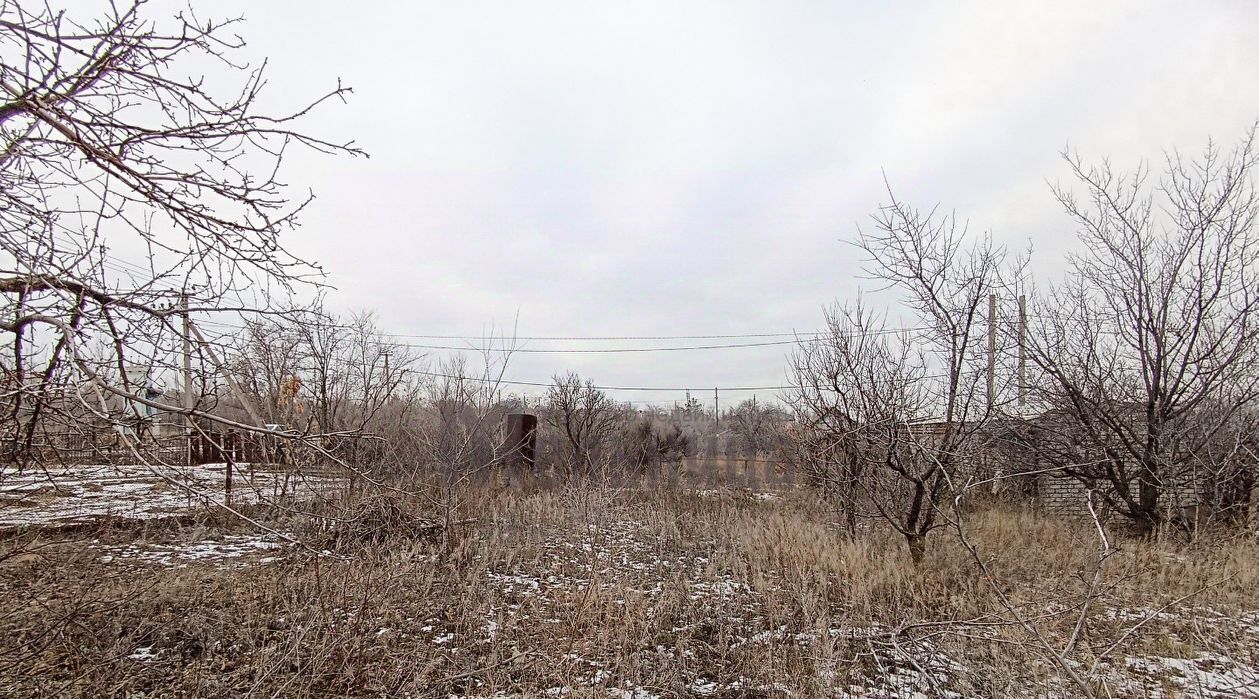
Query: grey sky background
[{"x": 695, "y": 168}]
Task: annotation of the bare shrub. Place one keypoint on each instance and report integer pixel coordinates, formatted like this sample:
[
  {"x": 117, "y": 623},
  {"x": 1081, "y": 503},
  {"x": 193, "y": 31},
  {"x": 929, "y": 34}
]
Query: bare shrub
[
  {"x": 757, "y": 427},
  {"x": 338, "y": 380},
  {"x": 376, "y": 519}
]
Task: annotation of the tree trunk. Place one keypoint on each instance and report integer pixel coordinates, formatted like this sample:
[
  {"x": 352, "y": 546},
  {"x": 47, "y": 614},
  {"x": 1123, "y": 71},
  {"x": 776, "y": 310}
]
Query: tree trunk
[
  {"x": 917, "y": 548},
  {"x": 1146, "y": 517}
]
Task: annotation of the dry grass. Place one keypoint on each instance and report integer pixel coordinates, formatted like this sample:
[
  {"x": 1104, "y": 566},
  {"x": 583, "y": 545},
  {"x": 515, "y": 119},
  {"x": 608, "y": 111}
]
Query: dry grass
[{"x": 635, "y": 594}]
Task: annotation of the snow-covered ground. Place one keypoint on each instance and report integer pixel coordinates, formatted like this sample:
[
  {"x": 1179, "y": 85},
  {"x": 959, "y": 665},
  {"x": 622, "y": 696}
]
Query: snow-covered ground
[
  {"x": 1206, "y": 675},
  {"x": 80, "y": 493},
  {"x": 216, "y": 551}
]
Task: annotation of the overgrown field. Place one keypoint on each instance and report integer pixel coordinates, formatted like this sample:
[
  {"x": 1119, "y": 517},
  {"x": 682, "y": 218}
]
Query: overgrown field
[{"x": 599, "y": 593}]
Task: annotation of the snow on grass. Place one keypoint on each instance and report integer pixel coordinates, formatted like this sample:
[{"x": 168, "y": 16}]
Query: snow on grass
[
  {"x": 704, "y": 687},
  {"x": 177, "y": 555},
  {"x": 510, "y": 581},
  {"x": 74, "y": 494},
  {"x": 738, "y": 493},
  {"x": 77, "y": 494},
  {"x": 143, "y": 654},
  {"x": 1207, "y": 675},
  {"x": 632, "y": 693},
  {"x": 1139, "y": 615}
]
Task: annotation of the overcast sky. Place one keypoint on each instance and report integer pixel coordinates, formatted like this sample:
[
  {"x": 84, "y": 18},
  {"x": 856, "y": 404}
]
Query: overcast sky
[{"x": 690, "y": 168}]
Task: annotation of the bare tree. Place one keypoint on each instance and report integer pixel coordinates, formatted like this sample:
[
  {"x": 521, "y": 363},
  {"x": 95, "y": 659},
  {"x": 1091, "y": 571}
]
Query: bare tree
[
  {"x": 461, "y": 428},
  {"x": 107, "y": 134},
  {"x": 335, "y": 375},
  {"x": 585, "y": 418},
  {"x": 354, "y": 372},
  {"x": 268, "y": 358},
  {"x": 892, "y": 418},
  {"x": 1149, "y": 351}
]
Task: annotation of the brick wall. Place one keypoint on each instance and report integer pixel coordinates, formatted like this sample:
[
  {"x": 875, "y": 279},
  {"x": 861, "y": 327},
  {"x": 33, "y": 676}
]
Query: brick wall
[
  {"x": 1068, "y": 496},
  {"x": 1063, "y": 495}
]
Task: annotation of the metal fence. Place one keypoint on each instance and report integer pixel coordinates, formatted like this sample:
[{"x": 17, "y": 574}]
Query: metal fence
[{"x": 103, "y": 448}]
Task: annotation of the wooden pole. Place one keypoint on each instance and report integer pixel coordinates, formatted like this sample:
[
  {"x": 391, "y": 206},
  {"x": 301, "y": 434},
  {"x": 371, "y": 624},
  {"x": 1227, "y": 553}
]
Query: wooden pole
[
  {"x": 1022, "y": 350},
  {"x": 227, "y": 490},
  {"x": 992, "y": 350}
]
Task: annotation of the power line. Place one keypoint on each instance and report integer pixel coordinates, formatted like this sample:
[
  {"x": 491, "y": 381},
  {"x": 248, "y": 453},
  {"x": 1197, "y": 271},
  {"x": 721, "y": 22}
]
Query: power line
[
  {"x": 599, "y": 350},
  {"x": 599, "y": 337},
  {"x": 540, "y": 384},
  {"x": 560, "y": 338},
  {"x": 798, "y": 338},
  {"x": 675, "y": 389},
  {"x": 111, "y": 262},
  {"x": 816, "y": 337}
]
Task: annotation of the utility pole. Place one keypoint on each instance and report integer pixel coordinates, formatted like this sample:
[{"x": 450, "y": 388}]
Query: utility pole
[
  {"x": 1022, "y": 350},
  {"x": 717, "y": 409},
  {"x": 992, "y": 350}
]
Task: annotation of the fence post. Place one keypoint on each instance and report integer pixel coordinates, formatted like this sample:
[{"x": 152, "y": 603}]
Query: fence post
[
  {"x": 244, "y": 453},
  {"x": 227, "y": 462}
]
